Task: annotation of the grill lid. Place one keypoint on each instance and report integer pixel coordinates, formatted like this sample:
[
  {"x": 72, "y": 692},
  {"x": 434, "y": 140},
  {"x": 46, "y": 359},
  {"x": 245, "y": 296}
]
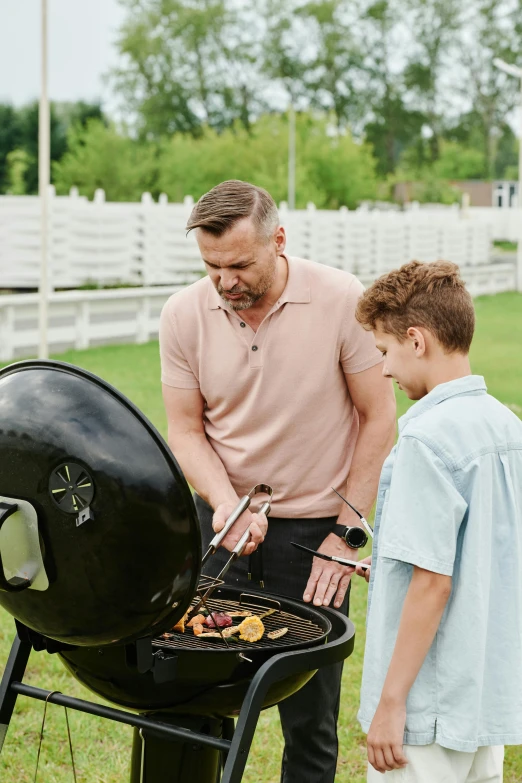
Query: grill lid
[{"x": 99, "y": 537}]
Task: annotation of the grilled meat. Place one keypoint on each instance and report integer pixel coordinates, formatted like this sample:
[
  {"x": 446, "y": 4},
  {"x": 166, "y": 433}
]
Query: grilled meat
[{"x": 218, "y": 620}]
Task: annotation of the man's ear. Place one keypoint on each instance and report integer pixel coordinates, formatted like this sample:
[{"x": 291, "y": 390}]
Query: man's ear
[
  {"x": 280, "y": 240},
  {"x": 417, "y": 341}
]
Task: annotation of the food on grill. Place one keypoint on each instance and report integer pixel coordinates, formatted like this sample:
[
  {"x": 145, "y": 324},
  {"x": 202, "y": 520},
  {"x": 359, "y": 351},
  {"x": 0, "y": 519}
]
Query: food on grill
[
  {"x": 277, "y": 634},
  {"x": 180, "y": 625},
  {"x": 251, "y": 629},
  {"x": 210, "y": 635},
  {"x": 228, "y": 632},
  {"x": 198, "y": 629},
  {"x": 218, "y": 619},
  {"x": 199, "y": 619},
  {"x": 267, "y": 613},
  {"x": 242, "y": 613}
]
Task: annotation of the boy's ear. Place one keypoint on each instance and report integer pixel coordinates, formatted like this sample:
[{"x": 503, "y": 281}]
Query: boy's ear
[{"x": 417, "y": 341}]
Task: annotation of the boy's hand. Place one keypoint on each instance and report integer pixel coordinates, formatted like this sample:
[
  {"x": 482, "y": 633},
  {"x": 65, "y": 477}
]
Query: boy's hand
[
  {"x": 385, "y": 738},
  {"x": 364, "y": 572}
]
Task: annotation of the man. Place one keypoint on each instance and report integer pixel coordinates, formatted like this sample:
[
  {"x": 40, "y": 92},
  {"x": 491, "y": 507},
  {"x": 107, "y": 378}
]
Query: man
[{"x": 267, "y": 377}]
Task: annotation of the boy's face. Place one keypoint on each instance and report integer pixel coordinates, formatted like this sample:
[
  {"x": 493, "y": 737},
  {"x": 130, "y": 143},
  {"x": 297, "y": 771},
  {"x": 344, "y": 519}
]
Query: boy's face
[{"x": 401, "y": 361}]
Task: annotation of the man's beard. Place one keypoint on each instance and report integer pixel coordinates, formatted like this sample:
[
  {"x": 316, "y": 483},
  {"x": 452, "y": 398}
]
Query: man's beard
[{"x": 249, "y": 295}]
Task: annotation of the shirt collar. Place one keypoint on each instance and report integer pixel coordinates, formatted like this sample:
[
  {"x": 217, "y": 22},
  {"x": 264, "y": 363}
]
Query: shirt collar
[
  {"x": 297, "y": 287},
  {"x": 470, "y": 384}
]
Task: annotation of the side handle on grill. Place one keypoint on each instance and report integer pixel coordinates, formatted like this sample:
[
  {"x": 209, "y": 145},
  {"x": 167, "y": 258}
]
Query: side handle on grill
[{"x": 17, "y": 583}]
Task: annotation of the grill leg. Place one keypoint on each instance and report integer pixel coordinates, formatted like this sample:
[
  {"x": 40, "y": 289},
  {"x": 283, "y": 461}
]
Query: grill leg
[
  {"x": 157, "y": 760},
  {"x": 14, "y": 672}
]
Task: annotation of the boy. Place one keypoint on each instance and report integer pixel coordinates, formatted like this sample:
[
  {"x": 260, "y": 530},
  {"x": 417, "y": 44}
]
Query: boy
[{"x": 442, "y": 681}]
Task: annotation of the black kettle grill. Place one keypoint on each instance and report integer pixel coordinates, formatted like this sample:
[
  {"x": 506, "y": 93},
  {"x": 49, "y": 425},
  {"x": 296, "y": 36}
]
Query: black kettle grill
[{"x": 100, "y": 555}]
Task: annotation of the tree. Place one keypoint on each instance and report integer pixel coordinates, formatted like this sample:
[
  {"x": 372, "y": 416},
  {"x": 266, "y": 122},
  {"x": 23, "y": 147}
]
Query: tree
[
  {"x": 493, "y": 29},
  {"x": 311, "y": 49},
  {"x": 435, "y": 24},
  {"x": 10, "y": 139},
  {"x": 392, "y": 126},
  {"x": 19, "y": 132},
  {"x": 186, "y": 64}
]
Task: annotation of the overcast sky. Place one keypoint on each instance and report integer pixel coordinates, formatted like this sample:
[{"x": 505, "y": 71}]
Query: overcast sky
[{"x": 81, "y": 49}]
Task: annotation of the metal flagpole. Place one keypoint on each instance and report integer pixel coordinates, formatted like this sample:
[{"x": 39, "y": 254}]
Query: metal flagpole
[
  {"x": 291, "y": 157},
  {"x": 44, "y": 152}
]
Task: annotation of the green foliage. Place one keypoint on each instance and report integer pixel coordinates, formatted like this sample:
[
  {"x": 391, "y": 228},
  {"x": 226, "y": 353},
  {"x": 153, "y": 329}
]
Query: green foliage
[
  {"x": 332, "y": 169},
  {"x": 17, "y": 165},
  {"x": 19, "y": 131},
  {"x": 99, "y": 157},
  {"x": 458, "y": 162}
]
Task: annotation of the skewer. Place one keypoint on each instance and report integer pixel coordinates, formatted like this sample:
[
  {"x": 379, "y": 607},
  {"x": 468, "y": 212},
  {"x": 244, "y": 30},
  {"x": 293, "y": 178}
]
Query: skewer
[
  {"x": 366, "y": 524},
  {"x": 341, "y": 560}
]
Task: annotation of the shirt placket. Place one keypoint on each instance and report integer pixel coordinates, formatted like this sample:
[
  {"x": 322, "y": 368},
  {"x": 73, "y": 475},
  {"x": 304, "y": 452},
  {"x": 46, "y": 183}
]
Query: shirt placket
[{"x": 256, "y": 341}]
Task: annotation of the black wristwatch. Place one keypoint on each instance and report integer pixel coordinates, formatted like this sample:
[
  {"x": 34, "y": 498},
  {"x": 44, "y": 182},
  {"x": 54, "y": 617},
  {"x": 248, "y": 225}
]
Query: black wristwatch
[{"x": 355, "y": 537}]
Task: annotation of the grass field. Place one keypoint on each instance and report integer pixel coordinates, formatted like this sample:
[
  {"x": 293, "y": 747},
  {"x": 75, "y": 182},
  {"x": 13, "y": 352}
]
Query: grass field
[{"x": 102, "y": 748}]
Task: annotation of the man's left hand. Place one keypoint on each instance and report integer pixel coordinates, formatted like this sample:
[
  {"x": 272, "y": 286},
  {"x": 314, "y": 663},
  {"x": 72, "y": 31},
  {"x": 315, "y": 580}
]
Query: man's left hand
[
  {"x": 385, "y": 737},
  {"x": 330, "y": 579}
]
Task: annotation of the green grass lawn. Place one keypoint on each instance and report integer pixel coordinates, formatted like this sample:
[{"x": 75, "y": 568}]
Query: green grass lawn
[{"x": 102, "y": 748}]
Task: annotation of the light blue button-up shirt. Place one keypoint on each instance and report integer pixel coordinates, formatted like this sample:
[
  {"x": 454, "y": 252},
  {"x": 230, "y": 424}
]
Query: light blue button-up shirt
[{"x": 450, "y": 501}]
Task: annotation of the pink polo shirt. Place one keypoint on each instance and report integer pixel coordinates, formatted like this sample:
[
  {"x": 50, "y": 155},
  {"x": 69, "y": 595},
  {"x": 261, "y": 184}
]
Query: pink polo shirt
[{"x": 277, "y": 406}]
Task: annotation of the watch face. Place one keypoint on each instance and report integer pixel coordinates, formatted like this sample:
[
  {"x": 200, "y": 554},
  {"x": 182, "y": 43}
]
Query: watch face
[{"x": 356, "y": 537}]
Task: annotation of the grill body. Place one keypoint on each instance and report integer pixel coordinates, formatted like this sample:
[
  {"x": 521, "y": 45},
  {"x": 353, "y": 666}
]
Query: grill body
[{"x": 207, "y": 680}]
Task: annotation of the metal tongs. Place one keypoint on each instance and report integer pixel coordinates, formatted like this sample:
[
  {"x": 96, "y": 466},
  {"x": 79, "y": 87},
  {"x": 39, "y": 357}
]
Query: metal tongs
[{"x": 244, "y": 503}]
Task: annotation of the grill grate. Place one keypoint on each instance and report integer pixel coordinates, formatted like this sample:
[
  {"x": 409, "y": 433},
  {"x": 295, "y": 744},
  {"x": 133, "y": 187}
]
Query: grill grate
[{"x": 300, "y": 630}]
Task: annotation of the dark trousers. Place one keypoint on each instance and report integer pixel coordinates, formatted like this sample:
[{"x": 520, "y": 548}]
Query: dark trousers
[{"x": 309, "y": 717}]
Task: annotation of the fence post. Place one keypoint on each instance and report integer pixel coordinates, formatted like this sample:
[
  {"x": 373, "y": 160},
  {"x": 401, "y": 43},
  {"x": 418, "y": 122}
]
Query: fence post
[
  {"x": 142, "y": 320},
  {"x": 81, "y": 317},
  {"x": 6, "y": 333}
]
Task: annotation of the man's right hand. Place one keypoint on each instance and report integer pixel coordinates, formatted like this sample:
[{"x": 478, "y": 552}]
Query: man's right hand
[
  {"x": 258, "y": 527},
  {"x": 364, "y": 572}
]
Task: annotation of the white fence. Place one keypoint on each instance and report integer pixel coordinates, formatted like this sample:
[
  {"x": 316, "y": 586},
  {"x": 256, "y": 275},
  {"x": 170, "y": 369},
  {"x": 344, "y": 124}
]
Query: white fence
[
  {"x": 146, "y": 244},
  {"x": 85, "y": 319},
  {"x": 81, "y": 319}
]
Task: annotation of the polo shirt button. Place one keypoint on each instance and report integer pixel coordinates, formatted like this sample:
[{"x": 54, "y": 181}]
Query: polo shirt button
[
  {"x": 242, "y": 324},
  {"x": 254, "y": 347}
]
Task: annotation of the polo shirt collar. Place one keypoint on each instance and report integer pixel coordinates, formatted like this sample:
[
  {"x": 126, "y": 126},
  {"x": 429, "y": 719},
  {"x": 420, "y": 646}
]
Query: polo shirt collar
[
  {"x": 470, "y": 384},
  {"x": 297, "y": 287}
]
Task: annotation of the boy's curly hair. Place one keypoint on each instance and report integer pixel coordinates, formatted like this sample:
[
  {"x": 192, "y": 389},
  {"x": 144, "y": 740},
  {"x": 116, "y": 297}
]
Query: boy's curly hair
[{"x": 430, "y": 295}]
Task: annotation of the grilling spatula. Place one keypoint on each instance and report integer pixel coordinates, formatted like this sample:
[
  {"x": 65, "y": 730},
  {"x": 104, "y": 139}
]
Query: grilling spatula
[{"x": 341, "y": 560}]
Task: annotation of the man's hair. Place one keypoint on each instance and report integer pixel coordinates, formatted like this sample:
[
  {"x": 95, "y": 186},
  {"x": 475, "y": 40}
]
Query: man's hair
[
  {"x": 228, "y": 203},
  {"x": 430, "y": 295}
]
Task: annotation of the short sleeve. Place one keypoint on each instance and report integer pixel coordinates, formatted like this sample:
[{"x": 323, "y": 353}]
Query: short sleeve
[
  {"x": 358, "y": 350},
  {"x": 423, "y": 510},
  {"x": 175, "y": 369}
]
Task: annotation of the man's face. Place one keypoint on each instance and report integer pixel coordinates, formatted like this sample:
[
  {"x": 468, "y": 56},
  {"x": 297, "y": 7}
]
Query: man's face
[
  {"x": 240, "y": 263},
  {"x": 401, "y": 362}
]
